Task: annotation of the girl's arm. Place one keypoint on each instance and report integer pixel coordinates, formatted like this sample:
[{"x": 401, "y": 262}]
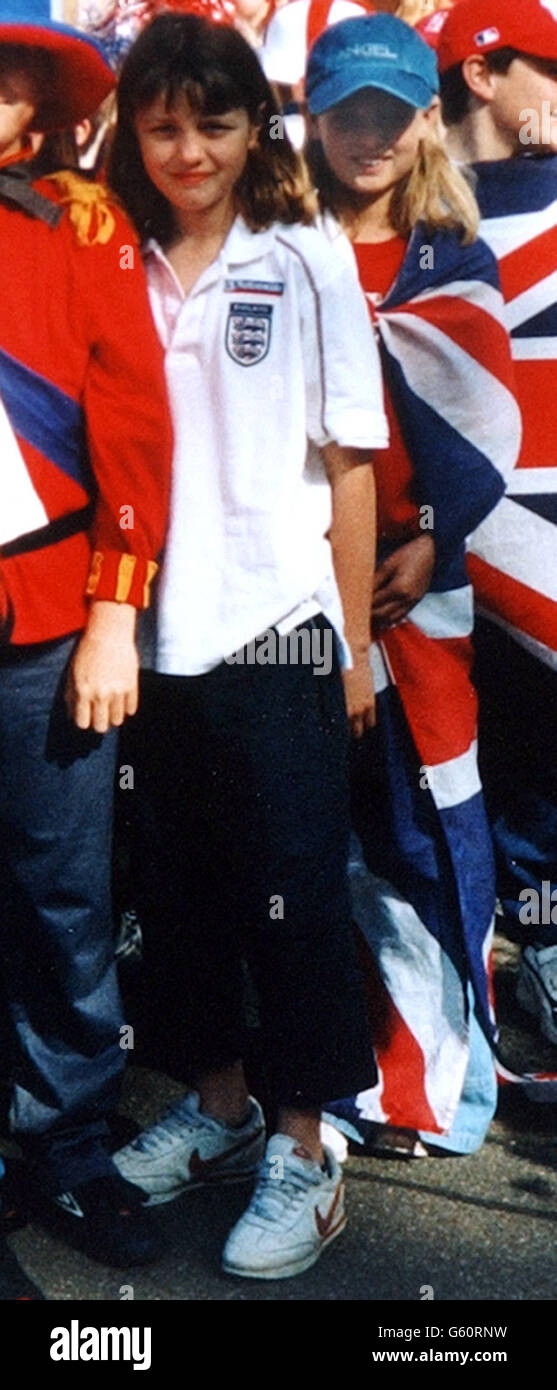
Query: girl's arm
[{"x": 352, "y": 536}]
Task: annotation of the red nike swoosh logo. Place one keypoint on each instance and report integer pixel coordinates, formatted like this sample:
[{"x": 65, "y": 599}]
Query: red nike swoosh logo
[
  {"x": 325, "y": 1223},
  {"x": 199, "y": 1165}
]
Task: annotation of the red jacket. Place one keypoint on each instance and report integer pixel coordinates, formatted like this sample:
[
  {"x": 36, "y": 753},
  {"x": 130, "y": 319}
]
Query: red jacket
[{"x": 82, "y": 382}]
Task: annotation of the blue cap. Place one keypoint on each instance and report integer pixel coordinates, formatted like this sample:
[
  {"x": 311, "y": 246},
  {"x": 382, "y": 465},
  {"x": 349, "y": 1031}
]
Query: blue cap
[{"x": 374, "y": 51}]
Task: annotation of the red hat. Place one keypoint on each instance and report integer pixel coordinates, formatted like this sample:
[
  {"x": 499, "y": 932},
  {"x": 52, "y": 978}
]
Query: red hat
[
  {"x": 217, "y": 11},
  {"x": 482, "y": 26},
  {"x": 430, "y": 27},
  {"x": 82, "y": 76}
]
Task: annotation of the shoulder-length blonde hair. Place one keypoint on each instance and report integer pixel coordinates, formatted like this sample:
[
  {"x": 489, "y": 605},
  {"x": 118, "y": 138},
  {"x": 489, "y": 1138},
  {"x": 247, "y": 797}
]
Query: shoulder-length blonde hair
[{"x": 434, "y": 192}]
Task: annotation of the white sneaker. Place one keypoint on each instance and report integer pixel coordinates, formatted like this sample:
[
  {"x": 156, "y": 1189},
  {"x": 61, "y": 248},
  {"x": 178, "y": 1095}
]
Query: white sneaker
[
  {"x": 536, "y": 988},
  {"x": 188, "y": 1149},
  {"x": 295, "y": 1211}
]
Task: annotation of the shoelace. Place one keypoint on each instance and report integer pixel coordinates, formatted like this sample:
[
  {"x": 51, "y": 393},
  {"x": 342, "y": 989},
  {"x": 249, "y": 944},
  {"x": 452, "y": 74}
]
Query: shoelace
[
  {"x": 172, "y": 1124},
  {"x": 273, "y": 1195}
]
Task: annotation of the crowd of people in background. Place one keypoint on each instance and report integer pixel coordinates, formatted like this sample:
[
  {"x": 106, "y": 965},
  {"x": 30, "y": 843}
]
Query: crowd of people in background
[{"x": 277, "y": 550}]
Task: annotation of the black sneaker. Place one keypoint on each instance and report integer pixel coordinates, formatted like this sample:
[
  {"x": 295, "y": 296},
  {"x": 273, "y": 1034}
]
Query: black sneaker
[
  {"x": 14, "y": 1282},
  {"x": 104, "y": 1218},
  {"x": 14, "y": 1204}
]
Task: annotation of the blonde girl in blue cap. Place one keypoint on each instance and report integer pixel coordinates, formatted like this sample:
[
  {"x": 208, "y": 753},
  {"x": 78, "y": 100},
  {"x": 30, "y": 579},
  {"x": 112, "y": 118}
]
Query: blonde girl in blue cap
[{"x": 424, "y": 898}]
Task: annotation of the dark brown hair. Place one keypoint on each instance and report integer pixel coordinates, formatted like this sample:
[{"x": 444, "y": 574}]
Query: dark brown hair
[
  {"x": 37, "y": 66},
  {"x": 456, "y": 97},
  {"x": 217, "y": 71}
]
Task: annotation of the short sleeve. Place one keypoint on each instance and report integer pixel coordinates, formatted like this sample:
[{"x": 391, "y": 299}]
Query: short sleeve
[{"x": 343, "y": 369}]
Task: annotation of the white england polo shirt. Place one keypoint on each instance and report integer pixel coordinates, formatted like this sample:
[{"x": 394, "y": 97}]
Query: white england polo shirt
[{"x": 269, "y": 357}]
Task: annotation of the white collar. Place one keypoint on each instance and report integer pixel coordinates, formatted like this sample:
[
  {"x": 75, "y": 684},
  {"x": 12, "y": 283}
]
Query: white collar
[{"x": 240, "y": 246}]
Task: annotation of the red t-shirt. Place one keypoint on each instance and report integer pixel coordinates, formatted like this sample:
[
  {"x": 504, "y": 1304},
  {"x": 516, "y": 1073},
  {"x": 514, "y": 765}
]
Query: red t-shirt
[
  {"x": 379, "y": 263},
  {"x": 397, "y": 511}
]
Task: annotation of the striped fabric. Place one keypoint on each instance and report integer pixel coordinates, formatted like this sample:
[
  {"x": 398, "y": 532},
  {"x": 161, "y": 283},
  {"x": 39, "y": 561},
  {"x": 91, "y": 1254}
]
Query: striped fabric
[
  {"x": 426, "y": 908},
  {"x": 512, "y": 559}
]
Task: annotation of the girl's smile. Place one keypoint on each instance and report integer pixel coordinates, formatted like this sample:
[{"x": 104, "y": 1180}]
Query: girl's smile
[
  {"x": 371, "y": 163},
  {"x": 191, "y": 179}
]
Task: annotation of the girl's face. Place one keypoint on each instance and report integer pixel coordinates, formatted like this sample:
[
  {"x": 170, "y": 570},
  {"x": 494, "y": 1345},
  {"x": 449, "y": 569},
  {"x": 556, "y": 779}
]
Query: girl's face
[
  {"x": 371, "y": 139},
  {"x": 194, "y": 160}
]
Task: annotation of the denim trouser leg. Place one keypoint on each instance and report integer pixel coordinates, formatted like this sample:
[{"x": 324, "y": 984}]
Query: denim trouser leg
[
  {"x": 517, "y": 740},
  {"x": 57, "y": 969}
]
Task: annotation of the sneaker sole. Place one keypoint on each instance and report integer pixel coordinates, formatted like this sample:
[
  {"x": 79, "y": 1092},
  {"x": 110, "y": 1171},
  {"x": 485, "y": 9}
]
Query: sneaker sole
[
  {"x": 531, "y": 995},
  {"x": 286, "y": 1271},
  {"x": 157, "y": 1199}
]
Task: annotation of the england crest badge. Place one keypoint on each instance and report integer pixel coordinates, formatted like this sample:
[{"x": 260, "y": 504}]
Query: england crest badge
[{"x": 248, "y": 332}]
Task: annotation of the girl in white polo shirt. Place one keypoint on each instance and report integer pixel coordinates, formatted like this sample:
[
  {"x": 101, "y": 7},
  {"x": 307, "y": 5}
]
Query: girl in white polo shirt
[{"x": 243, "y": 739}]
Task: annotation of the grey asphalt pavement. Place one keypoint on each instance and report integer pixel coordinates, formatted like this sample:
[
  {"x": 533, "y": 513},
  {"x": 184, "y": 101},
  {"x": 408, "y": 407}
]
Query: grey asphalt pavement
[{"x": 482, "y": 1227}]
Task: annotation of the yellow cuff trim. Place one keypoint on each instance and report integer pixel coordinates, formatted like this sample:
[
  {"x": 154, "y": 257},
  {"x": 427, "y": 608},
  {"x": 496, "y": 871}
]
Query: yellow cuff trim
[
  {"x": 152, "y": 568},
  {"x": 94, "y": 573},
  {"x": 124, "y": 581}
]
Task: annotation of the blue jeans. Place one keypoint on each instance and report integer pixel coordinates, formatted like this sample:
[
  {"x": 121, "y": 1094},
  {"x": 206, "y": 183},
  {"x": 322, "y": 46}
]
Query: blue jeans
[
  {"x": 60, "y": 1000},
  {"x": 517, "y": 740}
]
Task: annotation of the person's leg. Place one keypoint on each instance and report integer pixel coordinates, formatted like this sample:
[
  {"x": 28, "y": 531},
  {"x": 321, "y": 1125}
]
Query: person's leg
[
  {"x": 191, "y": 954},
  {"x": 518, "y": 732},
  {"x": 242, "y": 777},
  {"x": 270, "y": 865},
  {"x": 190, "y": 969},
  {"x": 57, "y": 958},
  {"x": 14, "y": 1282},
  {"x": 518, "y": 728},
  {"x": 291, "y": 740},
  {"x": 57, "y": 963},
  {"x": 284, "y": 812}
]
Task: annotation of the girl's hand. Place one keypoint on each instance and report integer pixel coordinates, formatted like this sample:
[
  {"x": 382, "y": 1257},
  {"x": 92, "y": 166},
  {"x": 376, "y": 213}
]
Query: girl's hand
[
  {"x": 359, "y": 695},
  {"x": 102, "y": 684},
  {"x": 402, "y": 580}
]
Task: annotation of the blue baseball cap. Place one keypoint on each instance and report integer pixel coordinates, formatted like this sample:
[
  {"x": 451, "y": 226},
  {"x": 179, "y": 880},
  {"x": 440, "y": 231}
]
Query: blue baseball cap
[{"x": 374, "y": 51}]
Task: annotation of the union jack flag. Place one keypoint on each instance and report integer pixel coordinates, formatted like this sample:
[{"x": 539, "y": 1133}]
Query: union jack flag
[
  {"x": 512, "y": 561},
  {"x": 425, "y": 903}
]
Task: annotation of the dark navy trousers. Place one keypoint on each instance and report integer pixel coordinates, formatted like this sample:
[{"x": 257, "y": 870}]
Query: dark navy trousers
[
  {"x": 60, "y": 1005},
  {"x": 241, "y": 779}
]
